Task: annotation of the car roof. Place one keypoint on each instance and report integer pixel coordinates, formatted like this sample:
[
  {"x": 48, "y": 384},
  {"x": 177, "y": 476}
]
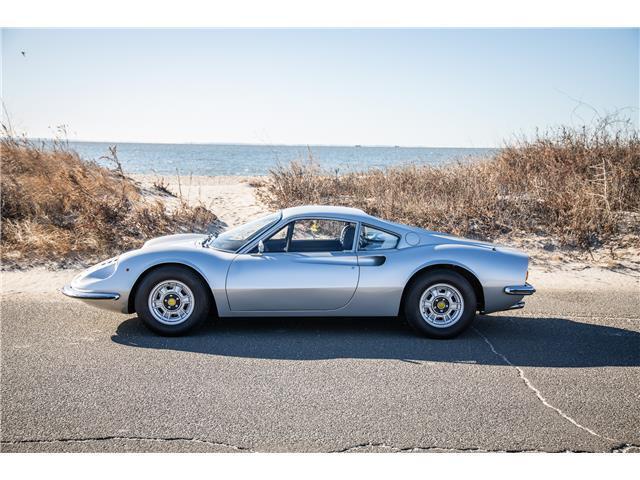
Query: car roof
[
  {"x": 344, "y": 213},
  {"x": 324, "y": 210}
]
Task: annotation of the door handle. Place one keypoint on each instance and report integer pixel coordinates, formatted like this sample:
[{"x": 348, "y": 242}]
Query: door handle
[{"x": 374, "y": 261}]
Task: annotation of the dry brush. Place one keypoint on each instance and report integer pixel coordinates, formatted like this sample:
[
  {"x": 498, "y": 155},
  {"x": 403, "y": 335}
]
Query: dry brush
[
  {"x": 59, "y": 209},
  {"x": 581, "y": 186}
]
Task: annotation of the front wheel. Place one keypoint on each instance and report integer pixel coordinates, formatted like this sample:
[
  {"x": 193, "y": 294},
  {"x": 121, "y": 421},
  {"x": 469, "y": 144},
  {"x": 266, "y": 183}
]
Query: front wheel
[
  {"x": 440, "y": 304},
  {"x": 172, "y": 300}
]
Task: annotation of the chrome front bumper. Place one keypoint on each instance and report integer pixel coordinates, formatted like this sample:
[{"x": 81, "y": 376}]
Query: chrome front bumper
[
  {"x": 69, "y": 291},
  {"x": 525, "y": 289}
]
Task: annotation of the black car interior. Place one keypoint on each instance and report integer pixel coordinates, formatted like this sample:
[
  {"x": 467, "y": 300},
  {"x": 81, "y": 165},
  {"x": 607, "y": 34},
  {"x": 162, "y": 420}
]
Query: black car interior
[{"x": 288, "y": 244}]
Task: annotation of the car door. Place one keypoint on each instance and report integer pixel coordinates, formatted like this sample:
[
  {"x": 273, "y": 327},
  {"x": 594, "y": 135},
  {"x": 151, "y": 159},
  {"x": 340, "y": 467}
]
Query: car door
[
  {"x": 315, "y": 269},
  {"x": 382, "y": 273}
]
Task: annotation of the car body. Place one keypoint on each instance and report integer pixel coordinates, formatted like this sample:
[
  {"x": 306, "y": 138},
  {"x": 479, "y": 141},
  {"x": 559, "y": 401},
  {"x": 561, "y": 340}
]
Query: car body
[{"x": 305, "y": 271}]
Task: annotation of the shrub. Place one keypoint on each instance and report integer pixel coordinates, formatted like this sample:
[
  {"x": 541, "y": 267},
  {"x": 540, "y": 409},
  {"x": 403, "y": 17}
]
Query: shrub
[
  {"x": 581, "y": 186},
  {"x": 58, "y": 208}
]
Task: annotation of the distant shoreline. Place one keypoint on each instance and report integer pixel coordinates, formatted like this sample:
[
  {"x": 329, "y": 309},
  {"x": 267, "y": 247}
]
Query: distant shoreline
[
  {"x": 257, "y": 160},
  {"x": 267, "y": 145}
]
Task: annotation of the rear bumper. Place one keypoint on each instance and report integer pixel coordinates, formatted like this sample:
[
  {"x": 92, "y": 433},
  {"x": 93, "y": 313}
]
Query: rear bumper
[
  {"x": 69, "y": 291},
  {"x": 525, "y": 289}
]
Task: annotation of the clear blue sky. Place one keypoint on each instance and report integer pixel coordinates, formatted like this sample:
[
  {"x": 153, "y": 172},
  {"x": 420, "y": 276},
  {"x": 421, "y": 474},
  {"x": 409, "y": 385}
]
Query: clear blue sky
[{"x": 462, "y": 88}]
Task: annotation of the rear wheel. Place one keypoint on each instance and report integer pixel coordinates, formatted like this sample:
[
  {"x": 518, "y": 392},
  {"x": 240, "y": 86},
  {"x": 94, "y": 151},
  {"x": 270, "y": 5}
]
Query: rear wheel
[
  {"x": 172, "y": 300},
  {"x": 440, "y": 304}
]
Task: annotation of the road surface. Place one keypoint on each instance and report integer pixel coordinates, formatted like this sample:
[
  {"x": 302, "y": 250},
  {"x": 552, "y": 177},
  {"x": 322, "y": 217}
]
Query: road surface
[{"x": 561, "y": 375}]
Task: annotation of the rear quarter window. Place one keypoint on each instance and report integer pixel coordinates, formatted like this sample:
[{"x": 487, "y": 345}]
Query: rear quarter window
[{"x": 376, "y": 239}]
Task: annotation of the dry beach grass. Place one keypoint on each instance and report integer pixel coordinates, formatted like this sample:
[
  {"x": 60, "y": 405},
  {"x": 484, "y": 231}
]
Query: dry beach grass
[
  {"x": 575, "y": 189},
  {"x": 578, "y": 186},
  {"x": 60, "y": 209}
]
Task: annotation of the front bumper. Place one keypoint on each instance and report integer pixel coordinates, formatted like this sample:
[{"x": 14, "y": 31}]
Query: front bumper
[
  {"x": 72, "y": 292},
  {"x": 525, "y": 289}
]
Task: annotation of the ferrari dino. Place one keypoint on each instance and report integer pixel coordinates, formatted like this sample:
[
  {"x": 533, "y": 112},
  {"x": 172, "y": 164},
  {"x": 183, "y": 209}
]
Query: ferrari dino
[{"x": 310, "y": 261}]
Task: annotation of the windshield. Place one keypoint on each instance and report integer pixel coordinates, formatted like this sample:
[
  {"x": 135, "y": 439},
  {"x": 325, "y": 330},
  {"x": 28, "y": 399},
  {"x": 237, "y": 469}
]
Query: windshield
[{"x": 233, "y": 239}]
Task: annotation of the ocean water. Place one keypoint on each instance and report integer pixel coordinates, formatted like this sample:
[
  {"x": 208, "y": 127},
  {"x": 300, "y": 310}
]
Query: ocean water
[{"x": 219, "y": 159}]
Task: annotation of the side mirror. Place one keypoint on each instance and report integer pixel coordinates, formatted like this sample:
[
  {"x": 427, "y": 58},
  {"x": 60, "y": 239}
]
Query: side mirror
[{"x": 260, "y": 247}]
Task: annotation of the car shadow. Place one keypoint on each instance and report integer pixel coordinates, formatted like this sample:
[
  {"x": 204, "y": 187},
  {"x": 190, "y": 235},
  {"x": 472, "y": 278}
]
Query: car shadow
[{"x": 525, "y": 341}]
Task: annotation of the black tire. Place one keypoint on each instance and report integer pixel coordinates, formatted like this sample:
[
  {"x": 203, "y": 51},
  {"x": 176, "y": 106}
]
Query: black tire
[
  {"x": 412, "y": 312},
  {"x": 202, "y": 304}
]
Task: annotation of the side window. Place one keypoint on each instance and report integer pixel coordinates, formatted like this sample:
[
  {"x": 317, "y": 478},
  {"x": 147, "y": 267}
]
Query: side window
[
  {"x": 320, "y": 235},
  {"x": 374, "y": 239},
  {"x": 276, "y": 242}
]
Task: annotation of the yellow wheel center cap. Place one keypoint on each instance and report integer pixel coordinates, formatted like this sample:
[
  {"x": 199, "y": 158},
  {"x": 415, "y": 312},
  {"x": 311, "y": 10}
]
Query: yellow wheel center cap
[
  {"x": 441, "y": 305},
  {"x": 171, "y": 302}
]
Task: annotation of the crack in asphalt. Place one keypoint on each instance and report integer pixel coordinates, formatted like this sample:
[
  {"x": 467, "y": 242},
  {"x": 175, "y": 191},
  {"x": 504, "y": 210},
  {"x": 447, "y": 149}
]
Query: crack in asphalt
[
  {"x": 625, "y": 447},
  {"x": 133, "y": 438},
  {"x": 537, "y": 392},
  {"x": 621, "y": 448},
  {"x": 359, "y": 446}
]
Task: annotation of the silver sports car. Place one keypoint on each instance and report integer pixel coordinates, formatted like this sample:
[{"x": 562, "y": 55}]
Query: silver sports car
[{"x": 310, "y": 261}]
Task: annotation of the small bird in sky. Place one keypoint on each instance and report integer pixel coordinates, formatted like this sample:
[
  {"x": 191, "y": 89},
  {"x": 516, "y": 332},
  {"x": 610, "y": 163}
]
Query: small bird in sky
[{"x": 24, "y": 54}]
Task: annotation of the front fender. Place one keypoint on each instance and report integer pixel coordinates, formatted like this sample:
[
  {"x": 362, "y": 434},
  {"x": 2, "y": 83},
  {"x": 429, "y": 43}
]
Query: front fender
[{"x": 211, "y": 265}]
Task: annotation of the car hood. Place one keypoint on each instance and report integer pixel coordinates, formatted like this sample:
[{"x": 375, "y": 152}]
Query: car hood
[{"x": 179, "y": 240}]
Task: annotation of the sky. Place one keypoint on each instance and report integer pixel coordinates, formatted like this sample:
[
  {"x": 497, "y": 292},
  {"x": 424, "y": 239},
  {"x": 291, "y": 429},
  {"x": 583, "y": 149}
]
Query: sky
[{"x": 412, "y": 87}]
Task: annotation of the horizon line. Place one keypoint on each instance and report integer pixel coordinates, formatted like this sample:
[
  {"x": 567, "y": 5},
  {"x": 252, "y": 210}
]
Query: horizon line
[{"x": 249, "y": 144}]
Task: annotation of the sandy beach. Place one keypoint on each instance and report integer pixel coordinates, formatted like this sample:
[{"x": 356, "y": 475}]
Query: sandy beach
[{"x": 233, "y": 199}]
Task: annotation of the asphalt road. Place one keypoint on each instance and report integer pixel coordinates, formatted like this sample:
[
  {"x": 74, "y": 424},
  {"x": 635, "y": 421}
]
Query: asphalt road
[{"x": 562, "y": 374}]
